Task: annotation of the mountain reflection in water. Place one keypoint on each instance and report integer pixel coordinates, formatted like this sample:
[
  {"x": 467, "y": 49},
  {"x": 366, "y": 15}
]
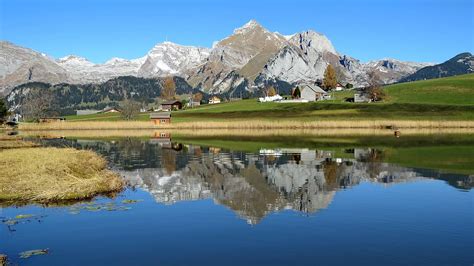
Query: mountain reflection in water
[{"x": 251, "y": 184}]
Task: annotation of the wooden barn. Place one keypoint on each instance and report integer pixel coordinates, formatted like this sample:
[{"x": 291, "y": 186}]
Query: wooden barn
[
  {"x": 161, "y": 118},
  {"x": 171, "y": 105}
]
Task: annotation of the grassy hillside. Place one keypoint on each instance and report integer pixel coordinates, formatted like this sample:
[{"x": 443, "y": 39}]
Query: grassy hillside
[
  {"x": 457, "y": 90},
  {"x": 440, "y": 99}
]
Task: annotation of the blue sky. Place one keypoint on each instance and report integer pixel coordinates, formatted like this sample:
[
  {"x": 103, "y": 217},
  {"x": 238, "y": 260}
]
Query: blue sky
[{"x": 416, "y": 30}]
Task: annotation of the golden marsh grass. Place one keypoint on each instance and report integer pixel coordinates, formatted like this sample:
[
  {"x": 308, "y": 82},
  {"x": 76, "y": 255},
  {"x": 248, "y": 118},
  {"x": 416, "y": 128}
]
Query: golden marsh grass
[
  {"x": 149, "y": 133},
  {"x": 251, "y": 124},
  {"x": 51, "y": 174}
]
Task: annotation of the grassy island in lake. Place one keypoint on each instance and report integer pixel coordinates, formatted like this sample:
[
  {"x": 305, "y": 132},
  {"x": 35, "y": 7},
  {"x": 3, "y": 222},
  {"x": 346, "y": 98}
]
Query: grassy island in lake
[{"x": 46, "y": 175}]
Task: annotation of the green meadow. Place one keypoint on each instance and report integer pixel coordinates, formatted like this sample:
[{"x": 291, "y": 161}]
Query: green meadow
[{"x": 439, "y": 99}]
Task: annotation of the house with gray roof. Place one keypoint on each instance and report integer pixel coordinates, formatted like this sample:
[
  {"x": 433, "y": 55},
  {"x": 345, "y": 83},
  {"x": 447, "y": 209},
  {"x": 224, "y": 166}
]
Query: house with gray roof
[{"x": 312, "y": 93}]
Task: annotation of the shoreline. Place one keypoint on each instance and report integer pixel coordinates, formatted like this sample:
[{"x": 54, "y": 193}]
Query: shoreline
[
  {"x": 172, "y": 133},
  {"x": 252, "y": 124}
]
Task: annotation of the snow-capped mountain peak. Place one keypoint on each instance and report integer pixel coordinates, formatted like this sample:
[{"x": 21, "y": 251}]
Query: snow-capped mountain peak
[
  {"x": 169, "y": 58},
  {"x": 252, "y": 24},
  {"x": 116, "y": 60},
  {"x": 74, "y": 60}
]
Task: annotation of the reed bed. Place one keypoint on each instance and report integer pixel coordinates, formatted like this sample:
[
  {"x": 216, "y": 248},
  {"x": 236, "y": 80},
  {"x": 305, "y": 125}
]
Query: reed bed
[
  {"x": 12, "y": 142},
  {"x": 48, "y": 175},
  {"x": 147, "y": 133},
  {"x": 251, "y": 124}
]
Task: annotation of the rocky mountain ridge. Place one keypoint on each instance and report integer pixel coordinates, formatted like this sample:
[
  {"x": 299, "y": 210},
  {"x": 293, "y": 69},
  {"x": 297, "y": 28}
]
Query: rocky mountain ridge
[
  {"x": 460, "y": 64},
  {"x": 250, "y": 57}
]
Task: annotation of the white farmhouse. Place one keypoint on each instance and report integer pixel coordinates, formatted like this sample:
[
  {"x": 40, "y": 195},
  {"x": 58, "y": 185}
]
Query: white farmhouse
[{"x": 312, "y": 93}]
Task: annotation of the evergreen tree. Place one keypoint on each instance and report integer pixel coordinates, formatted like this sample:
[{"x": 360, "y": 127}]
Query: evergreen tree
[
  {"x": 3, "y": 110},
  {"x": 296, "y": 93}
]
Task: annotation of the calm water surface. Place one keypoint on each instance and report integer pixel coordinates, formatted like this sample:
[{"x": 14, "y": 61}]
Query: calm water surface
[{"x": 193, "y": 204}]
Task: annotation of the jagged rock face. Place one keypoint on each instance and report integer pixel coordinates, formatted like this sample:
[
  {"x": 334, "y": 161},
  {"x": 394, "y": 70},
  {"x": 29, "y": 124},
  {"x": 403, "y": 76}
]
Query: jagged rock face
[
  {"x": 83, "y": 71},
  {"x": 245, "y": 51},
  {"x": 172, "y": 59},
  {"x": 247, "y": 42},
  {"x": 391, "y": 70},
  {"x": 309, "y": 53},
  {"x": 305, "y": 58},
  {"x": 355, "y": 71},
  {"x": 311, "y": 42},
  {"x": 19, "y": 65},
  {"x": 230, "y": 81}
]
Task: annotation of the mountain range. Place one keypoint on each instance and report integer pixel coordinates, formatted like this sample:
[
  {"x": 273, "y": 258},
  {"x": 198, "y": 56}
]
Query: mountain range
[
  {"x": 460, "y": 64},
  {"x": 249, "y": 58}
]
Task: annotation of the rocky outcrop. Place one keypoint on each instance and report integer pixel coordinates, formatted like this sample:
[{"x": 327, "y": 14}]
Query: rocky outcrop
[
  {"x": 244, "y": 52},
  {"x": 19, "y": 65}
]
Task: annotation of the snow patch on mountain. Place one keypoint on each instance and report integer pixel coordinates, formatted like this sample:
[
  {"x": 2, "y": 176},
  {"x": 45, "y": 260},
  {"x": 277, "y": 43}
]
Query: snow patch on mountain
[
  {"x": 83, "y": 71},
  {"x": 172, "y": 59}
]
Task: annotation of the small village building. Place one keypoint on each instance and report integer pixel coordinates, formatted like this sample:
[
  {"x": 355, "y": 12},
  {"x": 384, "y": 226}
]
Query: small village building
[
  {"x": 110, "y": 110},
  {"x": 161, "y": 118},
  {"x": 193, "y": 104},
  {"x": 87, "y": 112},
  {"x": 162, "y": 135},
  {"x": 312, "y": 93},
  {"x": 51, "y": 119},
  {"x": 14, "y": 118},
  {"x": 171, "y": 105},
  {"x": 361, "y": 98},
  {"x": 339, "y": 87},
  {"x": 214, "y": 100},
  {"x": 163, "y": 139}
]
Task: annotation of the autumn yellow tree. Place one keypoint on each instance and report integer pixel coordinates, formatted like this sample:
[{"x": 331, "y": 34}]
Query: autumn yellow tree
[
  {"x": 330, "y": 79},
  {"x": 271, "y": 91},
  {"x": 197, "y": 97},
  {"x": 169, "y": 89}
]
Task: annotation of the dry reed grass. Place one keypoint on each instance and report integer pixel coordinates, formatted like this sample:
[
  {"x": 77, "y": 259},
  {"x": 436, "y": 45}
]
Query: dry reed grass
[
  {"x": 12, "y": 142},
  {"x": 333, "y": 132},
  {"x": 52, "y": 174},
  {"x": 252, "y": 124}
]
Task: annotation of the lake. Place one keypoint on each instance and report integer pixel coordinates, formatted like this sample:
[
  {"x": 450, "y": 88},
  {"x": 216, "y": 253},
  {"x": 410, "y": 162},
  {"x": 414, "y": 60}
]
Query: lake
[{"x": 266, "y": 200}]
